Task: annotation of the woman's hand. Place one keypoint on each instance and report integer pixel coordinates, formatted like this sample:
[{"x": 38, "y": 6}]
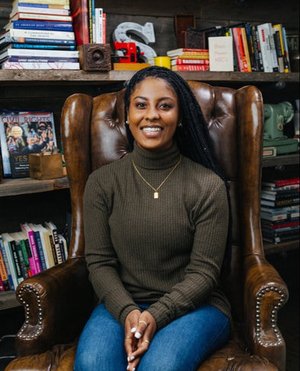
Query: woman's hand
[{"x": 141, "y": 336}]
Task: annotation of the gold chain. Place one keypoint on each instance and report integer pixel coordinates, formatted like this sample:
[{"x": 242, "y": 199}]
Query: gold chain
[{"x": 156, "y": 194}]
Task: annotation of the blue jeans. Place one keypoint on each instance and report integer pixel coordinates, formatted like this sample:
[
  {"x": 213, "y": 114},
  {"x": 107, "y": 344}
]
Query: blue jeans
[{"x": 180, "y": 346}]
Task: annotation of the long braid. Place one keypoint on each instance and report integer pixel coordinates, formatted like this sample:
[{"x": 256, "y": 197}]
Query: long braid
[{"x": 192, "y": 137}]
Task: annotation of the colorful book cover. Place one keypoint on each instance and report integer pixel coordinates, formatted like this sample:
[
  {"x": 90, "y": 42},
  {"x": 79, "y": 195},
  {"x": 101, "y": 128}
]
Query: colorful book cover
[
  {"x": 44, "y": 233},
  {"x": 25, "y": 133},
  {"x": 42, "y": 34},
  {"x": 40, "y": 5},
  {"x": 42, "y": 47},
  {"x": 7, "y": 39},
  {"x": 35, "y": 261},
  {"x": 42, "y": 25},
  {"x": 80, "y": 15}
]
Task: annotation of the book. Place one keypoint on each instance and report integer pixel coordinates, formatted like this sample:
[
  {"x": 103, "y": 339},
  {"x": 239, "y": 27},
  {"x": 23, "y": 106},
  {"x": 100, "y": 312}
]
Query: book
[
  {"x": 56, "y": 2},
  {"x": 41, "y": 17},
  {"x": 40, "y": 248},
  {"x": 40, "y": 46},
  {"x": 41, "y": 65},
  {"x": 246, "y": 48},
  {"x": 80, "y": 16},
  {"x": 187, "y": 51},
  {"x": 23, "y": 257},
  {"x": 22, "y": 59},
  {"x": 11, "y": 251},
  {"x": 53, "y": 230},
  {"x": 35, "y": 263},
  {"x": 63, "y": 247},
  {"x": 277, "y": 183},
  {"x": 220, "y": 53},
  {"x": 41, "y": 34},
  {"x": 38, "y": 10},
  {"x": 7, "y": 264},
  {"x": 280, "y": 203},
  {"x": 263, "y": 35},
  {"x": 279, "y": 194},
  {"x": 176, "y": 61},
  {"x": 45, "y": 241},
  {"x": 3, "y": 272},
  {"x": 239, "y": 48},
  {"x": 40, "y": 5},
  {"x": 64, "y": 54},
  {"x": 42, "y": 25},
  {"x": 24, "y": 133},
  {"x": 190, "y": 67},
  {"x": 281, "y": 225},
  {"x": 7, "y": 39}
]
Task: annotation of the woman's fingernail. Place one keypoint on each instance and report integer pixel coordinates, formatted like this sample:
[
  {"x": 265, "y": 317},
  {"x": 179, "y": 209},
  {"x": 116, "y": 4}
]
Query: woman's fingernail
[
  {"x": 133, "y": 330},
  {"x": 137, "y": 335},
  {"x": 128, "y": 367},
  {"x": 130, "y": 358}
]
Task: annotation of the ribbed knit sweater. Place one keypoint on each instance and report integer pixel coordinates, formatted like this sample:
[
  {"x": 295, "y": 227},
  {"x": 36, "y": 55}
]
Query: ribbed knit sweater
[{"x": 167, "y": 251}]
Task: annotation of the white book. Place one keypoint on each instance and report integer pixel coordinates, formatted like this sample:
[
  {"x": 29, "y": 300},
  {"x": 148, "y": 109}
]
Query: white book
[
  {"x": 220, "y": 53},
  {"x": 37, "y": 10},
  {"x": 42, "y": 34},
  {"x": 39, "y": 53},
  {"x": 263, "y": 35},
  {"x": 40, "y": 65},
  {"x": 274, "y": 59},
  {"x": 99, "y": 36}
]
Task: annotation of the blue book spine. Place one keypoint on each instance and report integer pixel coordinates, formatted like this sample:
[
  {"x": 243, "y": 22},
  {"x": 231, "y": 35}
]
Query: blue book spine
[
  {"x": 30, "y": 5},
  {"x": 10, "y": 280},
  {"x": 40, "y": 250},
  {"x": 44, "y": 41},
  {"x": 41, "y": 46},
  {"x": 43, "y": 25}
]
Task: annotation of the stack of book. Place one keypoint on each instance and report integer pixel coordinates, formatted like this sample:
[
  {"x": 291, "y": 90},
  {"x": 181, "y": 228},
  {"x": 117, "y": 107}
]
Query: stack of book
[
  {"x": 39, "y": 35},
  {"x": 29, "y": 251},
  {"x": 186, "y": 59},
  {"x": 280, "y": 210}
]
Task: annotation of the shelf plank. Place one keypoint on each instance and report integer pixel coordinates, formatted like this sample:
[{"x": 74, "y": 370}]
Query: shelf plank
[
  {"x": 281, "y": 247},
  {"x": 292, "y": 159},
  {"x": 63, "y": 77},
  {"x": 8, "y": 300},
  {"x": 13, "y": 187}
]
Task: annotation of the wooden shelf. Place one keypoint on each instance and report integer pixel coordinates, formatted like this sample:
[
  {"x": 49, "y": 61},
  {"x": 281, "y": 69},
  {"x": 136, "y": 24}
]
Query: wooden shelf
[
  {"x": 8, "y": 300},
  {"x": 292, "y": 159},
  {"x": 57, "y": 77},
  {"x": 14, "y": 187},
  {"x": 281, "y": 247}
]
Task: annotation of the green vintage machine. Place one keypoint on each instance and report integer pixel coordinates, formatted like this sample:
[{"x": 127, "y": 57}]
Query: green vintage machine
[{"x": 275, "y": 117}]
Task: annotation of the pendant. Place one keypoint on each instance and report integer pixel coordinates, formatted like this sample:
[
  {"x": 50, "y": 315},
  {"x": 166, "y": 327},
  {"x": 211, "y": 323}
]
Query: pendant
[{"x": 155, "y": 195}]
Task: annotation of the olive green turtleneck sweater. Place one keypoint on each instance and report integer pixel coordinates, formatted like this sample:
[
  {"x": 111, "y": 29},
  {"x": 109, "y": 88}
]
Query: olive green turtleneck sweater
[{"x": 166, "y": 251}]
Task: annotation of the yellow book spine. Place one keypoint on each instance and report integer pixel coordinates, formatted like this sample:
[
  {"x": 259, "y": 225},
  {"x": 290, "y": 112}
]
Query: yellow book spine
[{"x": 246, "y": 48}]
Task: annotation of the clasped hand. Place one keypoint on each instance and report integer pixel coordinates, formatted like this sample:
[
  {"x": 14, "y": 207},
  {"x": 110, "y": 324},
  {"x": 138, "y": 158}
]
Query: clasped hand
[{"x": 139, "y": 331}]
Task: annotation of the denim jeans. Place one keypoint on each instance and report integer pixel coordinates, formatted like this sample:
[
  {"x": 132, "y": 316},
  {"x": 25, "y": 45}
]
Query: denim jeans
[{"x": 180, "y": 346}]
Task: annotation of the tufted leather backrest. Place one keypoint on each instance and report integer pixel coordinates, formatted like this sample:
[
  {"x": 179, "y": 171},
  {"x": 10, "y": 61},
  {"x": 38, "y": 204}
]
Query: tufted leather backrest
[{"x": 93, "y": 133}]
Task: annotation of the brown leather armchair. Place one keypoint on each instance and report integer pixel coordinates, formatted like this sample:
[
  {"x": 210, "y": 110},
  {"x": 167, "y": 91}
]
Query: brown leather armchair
[{"x": 58, "y": 301}]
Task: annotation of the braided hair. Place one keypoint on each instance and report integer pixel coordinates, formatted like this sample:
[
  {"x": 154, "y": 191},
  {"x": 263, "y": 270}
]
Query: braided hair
[{"x": 192, "y": 136}]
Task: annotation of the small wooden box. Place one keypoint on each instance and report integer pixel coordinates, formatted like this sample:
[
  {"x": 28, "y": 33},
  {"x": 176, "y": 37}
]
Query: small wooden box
[
  {"x": 45, "y": 166},
  {"x": 95, "y": 57}
]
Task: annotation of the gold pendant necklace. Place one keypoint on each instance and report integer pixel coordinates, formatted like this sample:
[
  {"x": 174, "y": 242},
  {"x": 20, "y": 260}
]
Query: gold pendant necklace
[{"x": 156, "y": 193}]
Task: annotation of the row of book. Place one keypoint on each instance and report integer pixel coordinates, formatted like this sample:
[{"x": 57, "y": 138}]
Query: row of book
[
  {"x": 39, "y": 35},
  {"x": 280, "y": 210},
  {"x": 250, "y": 48},
  {"x": 22, "y": 133},
  {"x": 27, "y": 252},
  {"x": 189, "y": 59}
]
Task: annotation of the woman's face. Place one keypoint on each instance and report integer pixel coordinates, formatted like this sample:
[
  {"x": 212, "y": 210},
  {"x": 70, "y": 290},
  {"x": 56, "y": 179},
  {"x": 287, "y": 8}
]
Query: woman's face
[{"x": 153, "y": 114}]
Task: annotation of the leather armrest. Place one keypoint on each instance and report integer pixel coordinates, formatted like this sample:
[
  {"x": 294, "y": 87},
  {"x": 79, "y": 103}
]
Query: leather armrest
[
  {"x": 265, "y": 292},
  {"x": 57, "y": 303}
]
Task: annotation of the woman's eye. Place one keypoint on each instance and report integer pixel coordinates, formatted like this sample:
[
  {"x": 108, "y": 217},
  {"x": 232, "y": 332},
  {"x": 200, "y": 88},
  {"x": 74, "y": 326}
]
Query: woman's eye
[
  {"x": 140, "y": 105},
  {"x": 165, "y": 106}
]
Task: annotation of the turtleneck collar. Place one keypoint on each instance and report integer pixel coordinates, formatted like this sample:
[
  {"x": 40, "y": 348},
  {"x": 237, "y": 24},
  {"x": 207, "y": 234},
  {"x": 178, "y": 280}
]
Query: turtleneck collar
[{"x": 162, "y": 159}]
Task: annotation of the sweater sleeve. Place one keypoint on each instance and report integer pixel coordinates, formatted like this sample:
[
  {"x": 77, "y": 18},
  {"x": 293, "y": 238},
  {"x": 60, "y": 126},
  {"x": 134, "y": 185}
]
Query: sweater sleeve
[
  {"x": 100, "y": 256},
  {"x": 210, "y": 217}
]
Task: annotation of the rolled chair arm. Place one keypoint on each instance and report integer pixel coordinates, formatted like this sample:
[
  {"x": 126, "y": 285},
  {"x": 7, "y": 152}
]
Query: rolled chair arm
[
  {"x": 57, "y": 303},
  {"x": 265, "y": 293}
]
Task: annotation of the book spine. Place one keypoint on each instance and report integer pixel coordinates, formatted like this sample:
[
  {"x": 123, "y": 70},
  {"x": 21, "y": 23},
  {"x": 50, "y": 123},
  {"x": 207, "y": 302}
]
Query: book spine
[
  {"x": 42, "y": 66},
  {"x": 79, "y": 11},
  {"x": 40, "y": 5},
  {"x": 55, "y": 2},
  {"x": 104, "y": 28},
  {"x": 286, "y": 49},
  {"x": 7, "y": 265},
  {"x": 178, "y": 61},
  {"x": 250, "y": 42},
  {"x": 21, "y": 259},
  {"x": 274, "y": 61},
  {"x": 32, "y": 269},
  {"x": 65, "y": 54},
  {"x": 279, "y": 53},
  {"x": 57, "y": 246},
  {"x": 240, "y": 52},
  {"x": 3, "y": 272},
  {"x": 52, "y": 244},
  {"x": 29, "y": 40},
  {"x": 43, "y": 25},
  {"x": 191, "y": 67},
  {"x": 42, "y": 34},
  {"x": 44, "y": 17},
  {"x": 16, "y": 261},
  {"x": 23, "y": 59},
  {"x": 40, "y": 250},
  {"x": 265, "y": 47},
  {"x": 42, "y": 47},
  {"x": 246, "y": 49},
  {"x": 34, "y": 252},
  {"x": 39, "y": 10}
]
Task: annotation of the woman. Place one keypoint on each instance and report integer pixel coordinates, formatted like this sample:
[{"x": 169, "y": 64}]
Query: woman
[{"x": 156, "y": 225}]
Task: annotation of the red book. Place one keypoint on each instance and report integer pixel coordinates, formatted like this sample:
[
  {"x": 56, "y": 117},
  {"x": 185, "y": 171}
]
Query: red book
[
  {"x": 177, "y": 61},
  {"x": 239, "y": 47},
  {"x": 80, "y": 16},
  {"x": 191, "y": 67},
  {"x": 282, "y": 182}
]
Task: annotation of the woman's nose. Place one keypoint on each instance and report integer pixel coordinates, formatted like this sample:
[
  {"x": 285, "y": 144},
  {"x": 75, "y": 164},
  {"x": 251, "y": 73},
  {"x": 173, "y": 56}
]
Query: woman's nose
[{"x": 152, "y": 113}]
